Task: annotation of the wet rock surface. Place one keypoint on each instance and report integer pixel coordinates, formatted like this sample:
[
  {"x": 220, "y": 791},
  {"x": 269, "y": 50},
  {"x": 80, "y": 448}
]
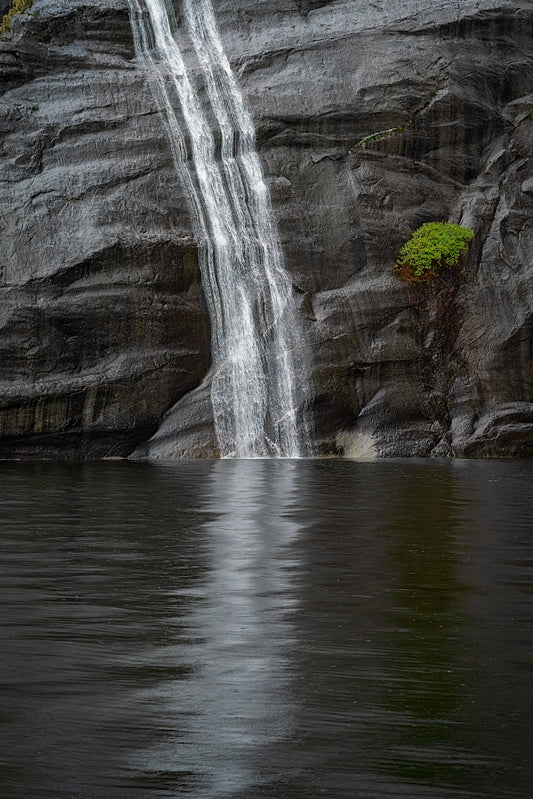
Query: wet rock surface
[
  {"x": 371, "y": 119},
  {"x": 102, "y": 319}
]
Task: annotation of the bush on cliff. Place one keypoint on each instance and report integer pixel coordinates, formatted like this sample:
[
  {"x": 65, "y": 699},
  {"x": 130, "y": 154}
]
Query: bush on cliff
[
  {"x": 432, "y": 248},
  {"x": 17, "y": 8}
]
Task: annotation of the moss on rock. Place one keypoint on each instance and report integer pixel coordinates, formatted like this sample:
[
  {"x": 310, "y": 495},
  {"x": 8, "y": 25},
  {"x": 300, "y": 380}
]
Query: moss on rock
[
  {"x": 18, "y": 7},
  {"x": 432, "y": 247}
]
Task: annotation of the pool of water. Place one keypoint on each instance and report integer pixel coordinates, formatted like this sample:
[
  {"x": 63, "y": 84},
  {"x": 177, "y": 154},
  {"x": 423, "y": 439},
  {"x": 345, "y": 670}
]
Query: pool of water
[{"x": 266, "y": 630}]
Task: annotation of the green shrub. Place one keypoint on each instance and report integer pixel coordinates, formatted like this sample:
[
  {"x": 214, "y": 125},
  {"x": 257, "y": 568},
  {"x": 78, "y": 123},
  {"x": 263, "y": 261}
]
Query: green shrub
[
  {"x": 431, "y": 248},
  {"x": 17, "y": 8}
]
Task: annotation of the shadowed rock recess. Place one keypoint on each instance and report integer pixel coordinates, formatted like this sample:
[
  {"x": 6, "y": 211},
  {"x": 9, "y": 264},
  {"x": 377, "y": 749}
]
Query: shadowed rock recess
[{"x": 371, "y": 120}]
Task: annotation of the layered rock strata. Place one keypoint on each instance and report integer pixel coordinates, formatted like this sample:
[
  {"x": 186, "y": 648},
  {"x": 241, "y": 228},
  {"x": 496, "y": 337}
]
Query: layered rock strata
[
  {"x": 371, "y": 119},
  {"x": 103, "y": 325}
]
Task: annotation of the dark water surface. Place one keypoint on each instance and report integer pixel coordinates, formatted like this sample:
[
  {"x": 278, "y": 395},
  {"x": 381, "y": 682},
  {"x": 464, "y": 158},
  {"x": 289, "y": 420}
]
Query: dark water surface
[{"x": 286, "y": 630}]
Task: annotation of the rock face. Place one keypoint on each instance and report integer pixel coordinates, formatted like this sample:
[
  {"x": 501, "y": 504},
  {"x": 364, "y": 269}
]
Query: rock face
[
  {"x": 102, "y": 319},
  {"x": 371, "y": 119}
]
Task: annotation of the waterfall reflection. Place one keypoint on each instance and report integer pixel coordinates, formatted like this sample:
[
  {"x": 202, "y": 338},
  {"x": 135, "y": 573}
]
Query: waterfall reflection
[
  {"x": 170, "y": 630},
  {"x": 238, "y": 633}
]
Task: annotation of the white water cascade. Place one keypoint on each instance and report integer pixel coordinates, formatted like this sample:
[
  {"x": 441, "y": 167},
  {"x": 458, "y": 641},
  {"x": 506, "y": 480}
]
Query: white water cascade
[{"x": 259, "y": 380}]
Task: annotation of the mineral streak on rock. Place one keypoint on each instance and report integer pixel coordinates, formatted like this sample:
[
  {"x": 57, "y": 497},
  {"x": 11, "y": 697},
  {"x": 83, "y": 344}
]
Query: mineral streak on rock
[{"x": 104, "y": 332}]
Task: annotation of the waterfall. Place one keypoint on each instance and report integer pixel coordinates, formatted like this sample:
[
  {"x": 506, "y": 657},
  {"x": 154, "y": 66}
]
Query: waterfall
[{"x": 259, "y": 380}]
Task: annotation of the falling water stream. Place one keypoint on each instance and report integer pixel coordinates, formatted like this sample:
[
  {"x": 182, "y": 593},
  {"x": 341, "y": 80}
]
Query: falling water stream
[{"x": 259, "y": 381}]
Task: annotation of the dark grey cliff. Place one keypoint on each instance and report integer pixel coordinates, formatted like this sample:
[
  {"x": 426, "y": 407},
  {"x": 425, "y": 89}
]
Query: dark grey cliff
[
  {"x": 102, "y": 319},
  {"x": 104, "y": 334}
]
